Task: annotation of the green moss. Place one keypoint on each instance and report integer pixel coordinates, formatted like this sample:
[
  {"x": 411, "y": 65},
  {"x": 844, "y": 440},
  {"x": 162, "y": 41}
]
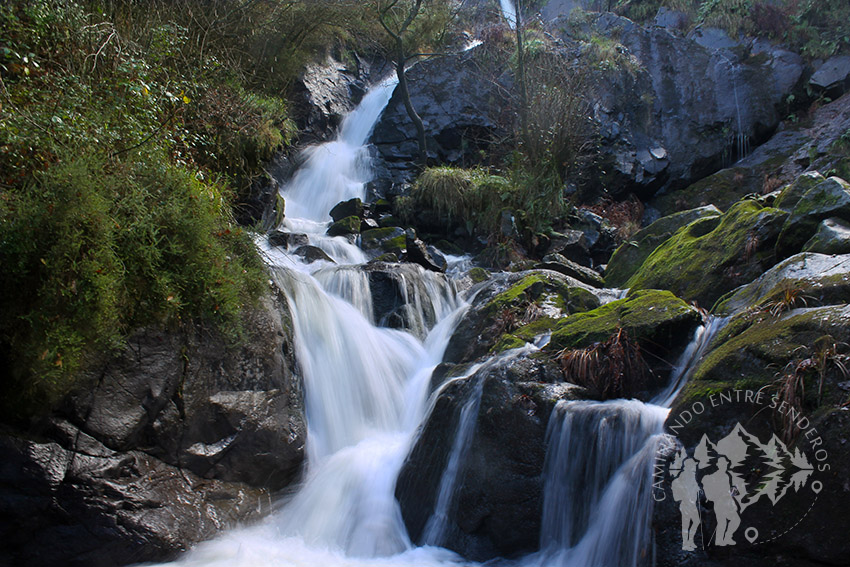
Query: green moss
[
  {"x": 641, "y": 315},
  {"x": 631, "y": 254},
  {"x": 478, "y": 275},
  {"x": 348, "y": 225},
  {"x": 701, "y": 264},
  {"x": 507, "y": 342},
  {"x": 528, "y": 287}
]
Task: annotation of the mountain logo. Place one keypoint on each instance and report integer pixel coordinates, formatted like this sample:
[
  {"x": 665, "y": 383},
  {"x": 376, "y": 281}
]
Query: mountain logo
[{"x": 719, "y": 480}]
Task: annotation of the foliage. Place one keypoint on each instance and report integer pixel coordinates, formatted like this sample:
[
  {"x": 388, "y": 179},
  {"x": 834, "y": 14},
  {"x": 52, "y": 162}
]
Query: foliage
[
  {"x": 92, "y": 248},
  {"x": 817, "y": 28},
  {"x": 613, "y": 368}
]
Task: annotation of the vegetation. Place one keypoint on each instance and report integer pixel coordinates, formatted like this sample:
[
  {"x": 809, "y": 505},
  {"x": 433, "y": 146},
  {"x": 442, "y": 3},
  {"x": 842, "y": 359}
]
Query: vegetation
[
  {"x": 128, "y": 131},
  {"x": 613, "y": 368},
  {"x": 817, "y": 28}
]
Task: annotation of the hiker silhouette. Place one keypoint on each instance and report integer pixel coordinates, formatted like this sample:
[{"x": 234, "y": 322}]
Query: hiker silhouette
[
  {"x": 718, "y": 489},
  {"x": 686, "y": 491}
]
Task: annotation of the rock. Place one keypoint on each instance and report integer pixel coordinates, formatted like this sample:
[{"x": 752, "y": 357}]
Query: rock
[
  {"x": 65, "y": 507},
  {"x": 670, "y": 19},
  {"x": 345, "y": 226},
  {"x": 828, "y": 198},
  {"x": 672, "y": 92},
  {"x": 262, "y": 203},
  {"x": 417, "y": 252},
  {"x": 312, "y": 254},
  {"x": 559, "y": 263},
  {"x": 791, "y": 195},
  {"x": 803, "y": 280},
  {"x": 387, "y": 239},
  {"x": 165, "y": 442},
  {"x": 832, "y": 237},
  {"x": 630, "y": 255},
  {"x": 705, "y": 259},
  {"x": 508, "y": 302},
  {"x": 459, "y": 106},
  {"x": 659, "y": 322},
  {"x": 368, "y": 224},
  {"x": 572, "y": 244},
  {"x": 403, "y": 295},
  {"x": 326, "y": 92},
  {"x": 497, "y": 507},
  {"x": 833, "y": 76},
  {"x": 478, "y": 275},
  {"x": 753, "y": 358},
  {"x": 298, "y": 239},
  {"x": 386, "y": 258},
  {"x": 279, "y": 238},
  {"x": 350, "y": 208}
]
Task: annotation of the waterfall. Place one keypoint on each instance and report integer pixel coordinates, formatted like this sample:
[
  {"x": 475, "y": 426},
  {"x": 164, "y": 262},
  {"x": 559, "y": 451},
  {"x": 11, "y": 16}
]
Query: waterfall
[
  {"x": 598, "y": 473},
  {"x": 366, "y": 392},
  {"x": 509, "y": 12}
]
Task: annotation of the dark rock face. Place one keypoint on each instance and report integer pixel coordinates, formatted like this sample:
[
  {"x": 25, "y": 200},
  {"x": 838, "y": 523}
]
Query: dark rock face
[
  {"x": 686, "y": 103},
  {"x": 328, "y": 91},
  {"x": 174, "y": 438},
  {"x": 418, "y": 253},
  {"x": 497, "y": 507},
  {"x": 833, "y": 77},
  {"x": 459, "y": 107}
]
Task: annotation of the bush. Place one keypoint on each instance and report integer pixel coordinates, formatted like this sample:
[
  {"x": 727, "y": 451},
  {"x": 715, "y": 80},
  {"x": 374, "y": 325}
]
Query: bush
[{"x": 92, "y": 248}]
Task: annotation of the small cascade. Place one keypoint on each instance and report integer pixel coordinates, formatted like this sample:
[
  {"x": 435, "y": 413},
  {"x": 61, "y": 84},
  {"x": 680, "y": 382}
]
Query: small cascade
[
  {"x": 588, "y": 442},
  {"x": 337, "y": 170},
  {"x": 688, "y": 359},
  {"x": 351, "y": 284},
  {"x": 509, "y": 12},
  {"x": 437, "y": 525},
  {"x": 598, "y": 473}
]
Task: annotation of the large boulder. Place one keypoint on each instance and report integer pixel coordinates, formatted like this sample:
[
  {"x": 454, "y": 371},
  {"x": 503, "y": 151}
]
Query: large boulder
[
  {"x": 499, "y": 415},
  {"x": 803, "y": 280},
  {"x": 705, "y": 259},
  {"x": 504, "y": 304},
  {"x": 631, "y": 254},
  {"x": 180, "y": 434},
  {"x": 829, "y": 198},
  {"x": 459, "y": 106},
  {"x": 675, "y": 108}
]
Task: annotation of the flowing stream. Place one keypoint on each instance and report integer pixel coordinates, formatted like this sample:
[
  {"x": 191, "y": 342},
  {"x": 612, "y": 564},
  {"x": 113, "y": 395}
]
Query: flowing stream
[{"x": 367, "y": 391}]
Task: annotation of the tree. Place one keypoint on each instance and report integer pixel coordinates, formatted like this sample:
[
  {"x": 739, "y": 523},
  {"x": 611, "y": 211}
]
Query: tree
[{"x": 414, "y": 26}]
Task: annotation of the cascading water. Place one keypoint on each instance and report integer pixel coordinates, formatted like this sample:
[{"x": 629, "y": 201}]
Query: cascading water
[
  {"x": 367, "y": 391},
  {"x": 509, "y": 12}
]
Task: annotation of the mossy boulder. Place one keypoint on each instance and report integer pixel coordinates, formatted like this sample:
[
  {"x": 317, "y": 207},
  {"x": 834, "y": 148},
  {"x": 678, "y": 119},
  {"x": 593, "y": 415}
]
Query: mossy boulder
[
  {"x": 805, "y": 279},
  {"x": 791, "y": 194},
  {"x": 350, "y": 208},
  {"x": 512, "y": 301},
  {"x": 478, "y": 275},
  {"x": 648, "y": 315},
  {"x": 384, "y": 240},
  {"x": 704, "y": 259},
  {"x": 630, "y": 255},
  {"x": 343, "y": 227},
  {"x": 832, "y": 237},
  {"x": 829, "y": 198},
  {"x": 559, "y": 263}
]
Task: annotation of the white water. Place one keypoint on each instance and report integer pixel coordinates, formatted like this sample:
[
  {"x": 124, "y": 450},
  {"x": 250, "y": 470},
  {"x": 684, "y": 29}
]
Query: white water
[
  {"x": 367, "y": 392},
  {"x": 509, "y": 12}
]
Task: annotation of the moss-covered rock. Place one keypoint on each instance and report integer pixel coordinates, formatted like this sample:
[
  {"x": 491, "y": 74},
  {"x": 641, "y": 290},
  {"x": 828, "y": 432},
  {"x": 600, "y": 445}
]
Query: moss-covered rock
[
  {"x": 385, "y": 240},
  {"x": 832, "y": 237},
  {"x": 631, "y": 254},
  {"x": 351, "y": 208},
  {"x": 829, "y": 198},
  {"x": 478, "y": 275},
  {"x": 791, "y": 194},
  {"x": 342, "y": 227},
  {"x": 704, "y": 259},
  {"x": 803, "y": 280},
  {"x": 516, "y": 301},
  {"x": 647, "y": 315}
]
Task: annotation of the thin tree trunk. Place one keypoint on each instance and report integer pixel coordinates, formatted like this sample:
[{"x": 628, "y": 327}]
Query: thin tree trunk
[
  {"x": 520, "y": 71},
  {"x": 408, "y": 104}
]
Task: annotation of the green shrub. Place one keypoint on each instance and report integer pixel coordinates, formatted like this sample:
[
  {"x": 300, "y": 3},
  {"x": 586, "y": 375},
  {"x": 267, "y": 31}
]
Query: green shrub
[{"x": 92, "y": 248}]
